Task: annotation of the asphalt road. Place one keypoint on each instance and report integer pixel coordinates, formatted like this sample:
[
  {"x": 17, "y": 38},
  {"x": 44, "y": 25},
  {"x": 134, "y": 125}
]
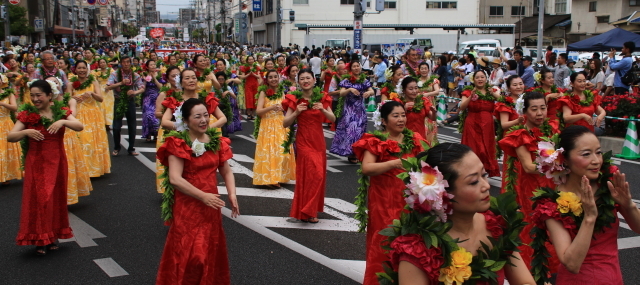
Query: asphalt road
[{"x": 120, "y": 235}]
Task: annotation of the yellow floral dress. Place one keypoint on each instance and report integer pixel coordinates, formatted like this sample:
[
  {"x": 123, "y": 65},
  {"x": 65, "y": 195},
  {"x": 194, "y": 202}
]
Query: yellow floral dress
[
  {"x": 271, "y": 165},
  {"x": 94, "y": 138},
  {"x": 159, "y": 166},
  {"x": 207, "y": 85},
  {"x": 79, "y": 182},
  {"x": 10, "y": 153},
  {"x": 108, "y": 100}
]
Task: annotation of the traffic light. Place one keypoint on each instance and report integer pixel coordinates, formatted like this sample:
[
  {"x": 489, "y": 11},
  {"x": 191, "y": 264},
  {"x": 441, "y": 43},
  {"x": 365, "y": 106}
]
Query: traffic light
[
  {"x": 292, "y": 15},
  {"x": 3, "y": 12}
]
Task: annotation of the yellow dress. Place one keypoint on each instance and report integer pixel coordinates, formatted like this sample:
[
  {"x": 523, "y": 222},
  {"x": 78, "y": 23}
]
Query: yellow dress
[
  {"x": 10, "y": 153},
  {"x": 207, "y": 85},
  {"x": 94, "y": 138},
  {"x": 18, "y": 84},
  {"x": 79, "y": 182},
  {"x": 108, "y": 99},
  {"x": 271, "y": 165},
  {"x": 159, "y": 166}
]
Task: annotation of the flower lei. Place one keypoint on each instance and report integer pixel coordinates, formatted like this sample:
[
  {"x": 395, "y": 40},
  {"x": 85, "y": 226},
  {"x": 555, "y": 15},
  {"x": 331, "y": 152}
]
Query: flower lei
[
  {"x": 428, "y": 83},
  {"x": 589, "y": 96},
  {"x": 360, "y": 79},
  {"x": 271, "y": 95},
  {"x": 363, "y": 189},
  {"x": 203, "y": 77},
  {"x": 421, "y": 225},
  {"x": 315, "y": 98},
  {"x": 77, "y": 85},
  {"x": 30, "y": 115},
  {"x": 44, "y": 73},
  {"x": 550, "y": 160},
  {"x": 550, "y": 203},
  {"x": 418, "y": 103},
  {"x": 168, "y": 195},
  {"x": 104, "y": 74},
  {"x": 410, "y": 69},
  {"x": 225, "y": 103},
  {"x": 253, "y": 68},
  {"x": 122, "y": 105},
  {"x": 388, "y": 88}
]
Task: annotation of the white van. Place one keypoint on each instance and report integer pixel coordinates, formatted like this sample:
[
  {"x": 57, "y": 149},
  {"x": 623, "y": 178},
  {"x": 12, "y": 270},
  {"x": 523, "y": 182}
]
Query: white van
[
  {"x": 339, "y": 43},
  {"x": 479, "y": 43},
  {"x": 422, "y": 43}
]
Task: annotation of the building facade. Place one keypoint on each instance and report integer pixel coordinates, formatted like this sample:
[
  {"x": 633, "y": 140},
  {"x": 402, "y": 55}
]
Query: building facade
[
  {"x": 512, "y": 11},
  {"x": 594, "y": 17}
]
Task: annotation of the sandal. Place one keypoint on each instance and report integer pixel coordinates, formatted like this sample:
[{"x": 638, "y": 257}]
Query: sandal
[
  {"x": 133, "y": 153},
  {"x": 115, "y": 152},
  {"x": 52, "y": 247},
  {"x": 41, "y": 251},
  {"x": 313, "y": 220}
]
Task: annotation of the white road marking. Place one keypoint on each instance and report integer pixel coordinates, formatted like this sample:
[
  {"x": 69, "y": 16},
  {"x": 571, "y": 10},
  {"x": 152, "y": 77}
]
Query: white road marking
[
  {"x": 125, "y": 127},
  {"x": 83, "y": 233},
  {"x": 242, "y": 158},
  {"x": 109, "y": 266},
  {"x": 145, "y": 149}
]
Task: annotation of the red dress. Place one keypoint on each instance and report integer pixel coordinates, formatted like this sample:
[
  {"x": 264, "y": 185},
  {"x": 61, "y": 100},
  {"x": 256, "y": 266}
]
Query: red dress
[
  {"x": 250, "y": 88},
  {"x": 311, "y": 160},
  {"x": 513, "y": 115},
  {"x": 43, "y": 214},
  {"x": 525, "y": 186},
  {"x": 328, "y": 76},
  {"x": 196, "y": 249},
  {"x": 479, "y": 132},
  {"x": 416, "y": 120},
  {"x": 573, "y": 102},
  {"x": 385, "y": 200}
]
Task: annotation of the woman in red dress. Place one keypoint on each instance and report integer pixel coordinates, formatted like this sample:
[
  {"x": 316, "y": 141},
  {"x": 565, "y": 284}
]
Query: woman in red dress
[
  {"x": 43, "y": 215},
  {"x": 552, "y": 94},
  {"x": 308, "y": 107},
  {"x": 417, "y": 106},
  {"x": 587, "y": 247},
  {"x": 196, "y": 250},
  {"x": 252, "y": 77},
  {"x": 505, "y": 112},
  {"x": 478, "y": 130},
  {"x": 520, "y": 144},
  {"x": 380, "y": 153},
  {"x": 328, "y": 73},
  {"x": 579, "y": 106}
]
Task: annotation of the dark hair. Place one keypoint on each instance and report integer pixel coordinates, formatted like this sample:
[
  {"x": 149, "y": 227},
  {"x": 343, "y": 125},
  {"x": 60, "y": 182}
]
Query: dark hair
[
  {"x": 269, "y": 59},
  {"x": 512, "y": 64},
  {"x": 305, "y": 70},
  {"x": 544, "y": 71},
  {"x": 630, "y": 45},
  {"x": 569, "y": 136},
  {"x": 394, "y": 68},
  {"x": 352, "y": 63},
  {"x": 563, "y": 56},
  {"x": 66, "y": 61},
  {"x": 195, "y": 60},
  {"x": 79, "y": 62},
  {"x": 266, "y": 75},
  {"x": 221, "y": 73},
  {"x": 549, "y": 48},
  {"x": 171, "y": 68},
  {"x": 222, "y": 59},
  {"x": 147, "y": 63},
  {"x": 444, "y": 156},
  {"x": 170, "y": 56},
  {"x": 182, "y": 75},
  {"x": 531, "y": 96},
  {"x": 511, "y": 78},
  {"x": 406, "y": 81},
  {"x": 188, "y": 105},
  {"x": 518, "y": 51},
  {"x": 443, "y": 60},
  {"x": 125, "y": 57},
  {"x": 387, "y": 108},
  {"x": 598, "y": 64},
  {"x": 423, "y": 63},
  {"x": 102, "y": 58},
  {"x": 290, "y": 59},
  {"x": 573, "y": 76},
  {"x": 43, "y": 85}
]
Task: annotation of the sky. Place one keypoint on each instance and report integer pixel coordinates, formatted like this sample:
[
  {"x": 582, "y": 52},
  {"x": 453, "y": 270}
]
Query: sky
[{"x": 170, "y": 7}]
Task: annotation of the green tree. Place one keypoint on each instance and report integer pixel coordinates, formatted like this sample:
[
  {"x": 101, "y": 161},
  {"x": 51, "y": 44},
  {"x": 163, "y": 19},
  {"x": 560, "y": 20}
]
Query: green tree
[
  {"x": 19, "y": 24},
  {"x": 129, "y": 31}
]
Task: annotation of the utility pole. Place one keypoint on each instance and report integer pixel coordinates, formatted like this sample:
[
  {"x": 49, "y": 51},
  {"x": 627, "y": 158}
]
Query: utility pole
[
  {"x": 540, "y": 28},
  {"x": 7, "y": 32},
  {"x": 223, "y": 36},
  {"x": 278, "y": 26},
  {"x": 73, "y": 21}
]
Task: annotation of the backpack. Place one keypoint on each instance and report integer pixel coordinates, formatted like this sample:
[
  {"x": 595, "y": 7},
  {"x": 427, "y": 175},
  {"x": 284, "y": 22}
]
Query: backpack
[{"x": 631, "y": 77}]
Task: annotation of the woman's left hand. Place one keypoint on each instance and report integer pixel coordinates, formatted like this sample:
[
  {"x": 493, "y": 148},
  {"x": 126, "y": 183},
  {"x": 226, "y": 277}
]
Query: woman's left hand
[
  {"x": 620, "y": 189},
  {"x": 318, "y": 106},
  {"x": 235, "y": 208},
  {"x": 55, "y": 127}
]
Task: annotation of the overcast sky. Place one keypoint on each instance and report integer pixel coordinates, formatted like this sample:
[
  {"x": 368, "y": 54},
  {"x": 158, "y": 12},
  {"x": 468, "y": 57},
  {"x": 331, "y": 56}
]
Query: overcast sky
[{"x": 170, "y": 6}]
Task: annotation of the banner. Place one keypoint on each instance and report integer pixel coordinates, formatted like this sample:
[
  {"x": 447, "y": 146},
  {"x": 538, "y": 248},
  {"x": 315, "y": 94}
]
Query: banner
[
  {"x": 164, "y": 52},
  {"x": 162, "y": 25},
  {"x": 156, "y": 33}
]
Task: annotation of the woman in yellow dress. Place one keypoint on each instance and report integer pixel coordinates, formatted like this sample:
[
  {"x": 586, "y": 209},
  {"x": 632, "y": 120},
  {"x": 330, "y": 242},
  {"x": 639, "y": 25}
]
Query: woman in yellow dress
[
  {"x": 10, "y": 153},
  {"x": 102, "y": 75},
  {"x": 78, "y": 180},
  {"x": 18, "y": 81},
  {"x": 86, "y": 91},
  {"x": 173, "y": 73},
  {"x": 272, "y": 166}
]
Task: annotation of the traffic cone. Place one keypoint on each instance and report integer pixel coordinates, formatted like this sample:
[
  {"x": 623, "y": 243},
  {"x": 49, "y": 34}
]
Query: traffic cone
[
  {"x": 631, "y": 147},
  {"x": 371, "y": 105},
  {"x": 442, "y": 108}
]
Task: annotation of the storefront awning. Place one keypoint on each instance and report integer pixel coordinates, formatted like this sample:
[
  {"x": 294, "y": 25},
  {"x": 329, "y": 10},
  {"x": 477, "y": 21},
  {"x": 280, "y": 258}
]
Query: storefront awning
[
  {"x": 66, "y": 31},
  {"x": 106, "y": 33}
]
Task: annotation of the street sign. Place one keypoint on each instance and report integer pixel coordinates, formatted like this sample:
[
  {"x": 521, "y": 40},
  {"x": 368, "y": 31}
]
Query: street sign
[
  {"x": 257, "y": 5},
  {"x": 38, "y": 25},
  {"x": 103, "y": 2},
  {"x": 91, "y": 2},
  {"x": 14, "y": 2},
  {"x": 357, "y": 25},
  {"x": 357, "y": 39}
]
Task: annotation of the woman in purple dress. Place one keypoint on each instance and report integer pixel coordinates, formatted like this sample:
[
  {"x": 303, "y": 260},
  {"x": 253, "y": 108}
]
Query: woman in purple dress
[
  {"x": 234, "y": 122},
  {"x": 351, "y": 114},
  {"x": 153, "y": 80}
]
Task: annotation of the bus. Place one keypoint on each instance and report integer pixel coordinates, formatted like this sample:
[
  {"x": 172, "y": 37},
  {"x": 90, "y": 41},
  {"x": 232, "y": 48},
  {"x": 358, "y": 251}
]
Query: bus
[{"x": 339, "y": 43}]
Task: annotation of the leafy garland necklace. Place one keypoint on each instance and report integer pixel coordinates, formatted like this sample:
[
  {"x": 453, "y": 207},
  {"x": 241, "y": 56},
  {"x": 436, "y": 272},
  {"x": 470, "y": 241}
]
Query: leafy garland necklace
[
  {"x": 429, "y": 81},
  {"x": 410, "y": 69},
  {"x": 418, "y": 103},
  {"x": 406, "y": 146},
  {"x": 44, "y": 73},
  {"x": 77, "y": 85},
  {"x": 104, "y": 74},
  {"x": 270, "y": 95},
  {"x": 225, "y": 103},
  {"x": 30, "y": 116},
  {"x": 168, "y": 196},
  {"x": 316, "y": 97},
  {"x": 547, "y": 198},
  {"x": 5, "y": 93},
  {"x": 203, "y": 77},
  {"x": 589, "y": 96},
  {"x": 122, "y": 104}
]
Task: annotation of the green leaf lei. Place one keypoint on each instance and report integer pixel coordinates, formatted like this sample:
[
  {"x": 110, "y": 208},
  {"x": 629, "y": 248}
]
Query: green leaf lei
[
  {"x": 122, "y": 103},
  {"x": 363, "y": 189},
  {"x": 276, "y": 95},
  {"x": 488, "y": 260},
  {"x": 5, "y": 93},
  {"x": 57, "y": 112},
  {"x": 83, "y": 85},
  {"x": 361, "y": 78},
  {"x": 412, "y": 72},
  {"x": 225, "y": 103},
  {"x": 169, "y": 193},
  {"x": 203, "y": 76},
  {"x": 418, "y": 104},
  {"x": 427, "y": 84},
  {"x": 589, "y": 96},
  {"x": 604, "y": 202},
  {"x": 511, "y": 177},
  {"x": 104, "y": 74},
  {"x": 315, "y": 98}
]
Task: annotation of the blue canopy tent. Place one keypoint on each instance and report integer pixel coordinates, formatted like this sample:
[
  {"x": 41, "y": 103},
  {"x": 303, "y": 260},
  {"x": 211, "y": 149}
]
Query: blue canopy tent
[{"x": 606, "y": 41}]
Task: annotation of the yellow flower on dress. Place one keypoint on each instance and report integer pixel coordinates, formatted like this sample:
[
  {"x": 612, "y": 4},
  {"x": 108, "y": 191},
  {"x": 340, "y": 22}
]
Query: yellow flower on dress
[
  {"x": 459, "y": 270},
  {"x": 569, "y": 201},
  {"x": 537, "y": 76},
  {"x": 393, "y": 95}
]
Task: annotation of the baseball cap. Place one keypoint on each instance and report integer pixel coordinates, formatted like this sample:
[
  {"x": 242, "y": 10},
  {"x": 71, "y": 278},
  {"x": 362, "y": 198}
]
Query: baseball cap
[{"x": 451, "y": 52}]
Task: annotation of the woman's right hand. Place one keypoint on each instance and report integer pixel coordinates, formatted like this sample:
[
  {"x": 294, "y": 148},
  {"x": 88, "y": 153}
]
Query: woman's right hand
[
  {"x": 301, "y": 107},
  {"x": 34, "y": 134},
  {"x": 588, "y": 200},
  {"x": 276, "y": 107},
  {"x": 354, "y": 91},
  {"x": 588, "y": 118},
  {"x": 396, "y": 164},
  {"x": 408, "y": 105},
  {"x": 212, "y": 200}
]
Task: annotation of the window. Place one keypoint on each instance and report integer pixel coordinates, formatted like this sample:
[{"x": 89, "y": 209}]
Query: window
[
  {"x": 634, "y": 2},
  {"x": 301, "y": 2},
  {"x": 561, "y": 6},
  {"x": 496, "y": 11},
  {"x": 347, "y": 2},
  {"x": 592, "y": 6},
  {"x": 517, "y": 11},
  {"x": 603, "y": 19},
  {"x": 443, "y": 4},
  {"x": 390, "y": 4},
  {"x": 269, "y": 7}
]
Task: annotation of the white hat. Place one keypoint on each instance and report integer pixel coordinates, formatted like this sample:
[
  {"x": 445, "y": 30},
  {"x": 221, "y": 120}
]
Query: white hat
[
  {"x": 10, "y": 52},
  {"x": 451, "y": 52}
]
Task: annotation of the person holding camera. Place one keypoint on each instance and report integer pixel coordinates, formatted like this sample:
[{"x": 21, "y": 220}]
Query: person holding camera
[{"x": 621, "y": 67}]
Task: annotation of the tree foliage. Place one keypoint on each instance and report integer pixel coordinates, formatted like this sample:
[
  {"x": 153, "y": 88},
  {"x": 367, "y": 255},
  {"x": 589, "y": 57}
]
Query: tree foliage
[
  {"x": 129, "y": 31},
  {"x": 19, "y": 24}
]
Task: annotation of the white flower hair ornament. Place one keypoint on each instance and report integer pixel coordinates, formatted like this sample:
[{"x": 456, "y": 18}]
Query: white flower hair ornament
[
  {"x": 54, "y": 88},
  {"x": 537, "y": 76},
  {"x": 177, "y": 81},
  {"x": 399, "y": 86},
  {"x": 426, "y": 191},
  {"x": 31, "y": 82},
  {"x": 388, "y": 74},
  {"x": 420, "y": 84},
  {"x": 550, "y": 161},
  {"x": 520, "y": 105},
  {"x": 471, "y": 75},
  {"x": 180, "y": 125},
  {"x": 376, "y": 117}
]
